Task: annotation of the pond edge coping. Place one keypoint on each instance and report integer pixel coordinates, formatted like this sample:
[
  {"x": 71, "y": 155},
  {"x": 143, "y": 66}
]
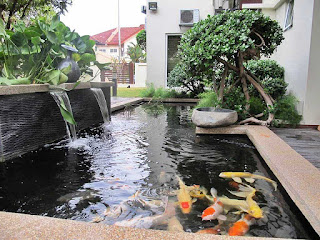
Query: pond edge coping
[
  {"x": 298, "y": 176},
  {"x": 37, "y": 88}
]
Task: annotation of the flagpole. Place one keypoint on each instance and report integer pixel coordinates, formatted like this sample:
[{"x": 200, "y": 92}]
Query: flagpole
[{"x": 119, "y": 30}]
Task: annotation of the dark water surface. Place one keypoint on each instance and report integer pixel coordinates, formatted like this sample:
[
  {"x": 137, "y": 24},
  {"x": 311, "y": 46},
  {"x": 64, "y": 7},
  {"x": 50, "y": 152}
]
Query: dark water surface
[{"x": 144, "y": 148}]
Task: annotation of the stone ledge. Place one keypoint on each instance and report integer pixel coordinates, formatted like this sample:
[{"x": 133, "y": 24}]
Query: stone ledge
[
  {"x": 36, "y": 88},
  {"x": 23, "y": 88},
  {"x": 297, "y": 175},
  {"x": 24, "y": 226}
]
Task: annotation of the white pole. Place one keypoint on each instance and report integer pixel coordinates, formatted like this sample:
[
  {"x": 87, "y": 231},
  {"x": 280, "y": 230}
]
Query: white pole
[{"x": 119, "y": 30}]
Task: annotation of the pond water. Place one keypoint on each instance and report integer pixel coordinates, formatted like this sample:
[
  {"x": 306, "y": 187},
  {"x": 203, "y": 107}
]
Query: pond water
[{"x": 141, "y": 153}]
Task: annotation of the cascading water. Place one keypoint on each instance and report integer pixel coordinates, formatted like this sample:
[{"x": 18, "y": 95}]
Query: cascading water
[
  {"x": 1, "y": 145},
  {"x": 98, "y": 93},
  {"x": 59, "y": 96}
]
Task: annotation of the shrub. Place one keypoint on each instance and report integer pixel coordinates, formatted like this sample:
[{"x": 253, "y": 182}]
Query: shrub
[
  {"x": 160, "y": 93},
  {"x": 271, "y": 75},
  {"x": 208, "y": 99}
]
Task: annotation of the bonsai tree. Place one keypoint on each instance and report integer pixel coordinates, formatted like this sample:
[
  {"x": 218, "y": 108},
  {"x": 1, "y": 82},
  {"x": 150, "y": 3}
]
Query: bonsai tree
[{"x": 215, "y": 50}]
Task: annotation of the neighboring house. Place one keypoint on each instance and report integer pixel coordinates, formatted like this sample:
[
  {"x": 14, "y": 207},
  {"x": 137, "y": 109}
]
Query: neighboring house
[
  {"x": 107, "y": 43},
  {"x": 299, "y": 53}
]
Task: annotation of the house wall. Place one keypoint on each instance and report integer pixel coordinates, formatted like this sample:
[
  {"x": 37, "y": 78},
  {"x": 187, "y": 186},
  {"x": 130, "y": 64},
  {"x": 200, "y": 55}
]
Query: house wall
[
  {"x": 140, "y": 74},
  {"x": 312, "y": 99},
  {"x": 159, "y": 25},
  {"x": 294, "y": 55}
]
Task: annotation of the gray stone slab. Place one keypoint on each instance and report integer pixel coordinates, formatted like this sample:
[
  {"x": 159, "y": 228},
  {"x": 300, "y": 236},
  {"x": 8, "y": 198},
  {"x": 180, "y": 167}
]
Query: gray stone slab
[{"x": 22, "y": 89}]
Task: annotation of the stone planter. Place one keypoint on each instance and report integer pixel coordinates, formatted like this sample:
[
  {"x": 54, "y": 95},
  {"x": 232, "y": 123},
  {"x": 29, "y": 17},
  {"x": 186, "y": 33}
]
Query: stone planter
[
  {"x": 213, "y": 117},
  {"x": 30, "y": 118}
]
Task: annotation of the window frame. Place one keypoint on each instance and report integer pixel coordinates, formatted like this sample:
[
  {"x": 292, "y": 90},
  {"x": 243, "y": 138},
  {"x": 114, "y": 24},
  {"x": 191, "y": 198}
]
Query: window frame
[{"x": 288, "y": 23}]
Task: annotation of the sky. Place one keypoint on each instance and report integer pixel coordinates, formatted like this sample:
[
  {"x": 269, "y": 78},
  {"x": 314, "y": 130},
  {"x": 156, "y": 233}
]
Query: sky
[{"x": 89, "y": 17}]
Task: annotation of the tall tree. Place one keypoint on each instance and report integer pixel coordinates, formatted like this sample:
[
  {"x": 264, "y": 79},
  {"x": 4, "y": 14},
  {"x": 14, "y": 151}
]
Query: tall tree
[{"x": 22, "y": 9}]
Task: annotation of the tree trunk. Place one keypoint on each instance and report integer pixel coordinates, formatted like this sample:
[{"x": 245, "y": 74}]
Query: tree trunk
[
  {"x": 267, "y": 100},
  {"x": 222, "y": 83}
]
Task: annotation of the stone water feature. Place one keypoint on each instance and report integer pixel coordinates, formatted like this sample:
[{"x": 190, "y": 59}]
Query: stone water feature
[
  {"x": 213, "y": 117},
  {"x": 30, "y": 118}
]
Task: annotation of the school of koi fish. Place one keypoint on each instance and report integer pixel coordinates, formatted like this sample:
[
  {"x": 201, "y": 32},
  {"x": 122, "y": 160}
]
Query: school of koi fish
[{"x": 245, "y": 212}]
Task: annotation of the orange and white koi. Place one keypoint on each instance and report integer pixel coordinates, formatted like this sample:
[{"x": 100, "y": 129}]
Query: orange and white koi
[
  {"x": 242, "y": 226},
  {"x": 249, "y": 177},
  {"x": 214, "y": 211},
  {"x": 184, "y": 198}
]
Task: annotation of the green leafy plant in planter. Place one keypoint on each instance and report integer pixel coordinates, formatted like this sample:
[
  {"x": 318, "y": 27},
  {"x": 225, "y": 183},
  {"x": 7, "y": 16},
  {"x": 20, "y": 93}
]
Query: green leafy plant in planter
[
  {"x": 216, "y": 49},
  {"x": 31, "y": 54}
]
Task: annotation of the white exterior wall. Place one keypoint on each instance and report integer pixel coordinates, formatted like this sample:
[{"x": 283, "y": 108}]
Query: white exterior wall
[
  {"x": 298, "y": 55},
  {"x": 159, "y": 25},
  {"x": 312, "y": 99},
  {"x": 140, "y": 75}
]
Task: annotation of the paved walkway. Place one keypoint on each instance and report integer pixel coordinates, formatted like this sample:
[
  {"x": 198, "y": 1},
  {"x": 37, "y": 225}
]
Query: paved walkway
[{"x": 305, "y": 141}]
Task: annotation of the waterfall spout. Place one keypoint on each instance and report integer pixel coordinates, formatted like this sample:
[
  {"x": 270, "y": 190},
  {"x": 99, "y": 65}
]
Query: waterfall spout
[
  {"x": 58, "y": 97},
  {"x": 98, "y": 93}
]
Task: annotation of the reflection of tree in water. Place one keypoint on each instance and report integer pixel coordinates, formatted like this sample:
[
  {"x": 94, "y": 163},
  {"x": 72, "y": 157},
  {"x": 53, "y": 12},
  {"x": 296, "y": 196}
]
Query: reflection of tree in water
[{"x": 154, "y": 109}]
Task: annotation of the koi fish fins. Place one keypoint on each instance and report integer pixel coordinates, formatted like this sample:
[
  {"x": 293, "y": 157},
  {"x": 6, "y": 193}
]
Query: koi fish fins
[
  {"x": 249, "y": 180},
  {"x": 237, "y": 179}
]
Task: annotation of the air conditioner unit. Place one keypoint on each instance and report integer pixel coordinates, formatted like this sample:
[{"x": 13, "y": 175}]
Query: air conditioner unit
[{"x": 189, "y": 16}]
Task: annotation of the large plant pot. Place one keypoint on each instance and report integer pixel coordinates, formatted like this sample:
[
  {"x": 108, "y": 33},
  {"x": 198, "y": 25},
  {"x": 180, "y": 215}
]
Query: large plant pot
[{"x": 213, "y": 117}]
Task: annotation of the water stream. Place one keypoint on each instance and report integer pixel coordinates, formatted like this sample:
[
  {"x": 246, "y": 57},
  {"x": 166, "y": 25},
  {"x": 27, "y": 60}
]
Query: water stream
[
  {"x": 98, "y": 93},
  {"x": 59, "y": 96}
]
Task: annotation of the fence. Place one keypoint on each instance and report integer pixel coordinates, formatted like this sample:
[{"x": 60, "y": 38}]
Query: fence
[{"x": 125, "y": 76}]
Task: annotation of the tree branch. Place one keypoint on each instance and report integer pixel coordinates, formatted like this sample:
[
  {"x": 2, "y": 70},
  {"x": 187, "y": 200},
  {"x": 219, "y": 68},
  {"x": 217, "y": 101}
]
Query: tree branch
[
  {"x": 261, "y": 38},
  {"x": 11, "y": 12},
  {"x": 25, "y": 9},
  {"x": 222, "y": 83}
]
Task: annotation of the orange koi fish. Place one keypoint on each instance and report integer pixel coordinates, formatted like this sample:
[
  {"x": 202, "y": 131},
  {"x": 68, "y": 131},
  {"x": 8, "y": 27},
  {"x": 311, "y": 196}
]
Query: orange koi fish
[
  {"x": 214, "y": 211},
  {"x": 242, "y": 226}
]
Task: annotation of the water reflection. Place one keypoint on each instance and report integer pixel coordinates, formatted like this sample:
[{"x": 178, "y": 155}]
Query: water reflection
[{"x": 128, "y": 170}]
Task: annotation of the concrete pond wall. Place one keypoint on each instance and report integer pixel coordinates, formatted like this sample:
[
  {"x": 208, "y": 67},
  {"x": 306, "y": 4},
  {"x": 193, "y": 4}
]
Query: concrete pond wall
[{"x": 30, "y": 118}]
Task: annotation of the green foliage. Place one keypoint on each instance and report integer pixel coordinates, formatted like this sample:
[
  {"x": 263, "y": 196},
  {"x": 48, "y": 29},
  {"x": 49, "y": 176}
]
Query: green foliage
[
  {"x": 161, "y": 93},
  {"x": 271, "y": 75},
  {"x": 285, "y": 111},
  {"x": 142, "y": 40},
  {"x": 136, "y": 54},
  {"x": 180, "y": 77},
  {"x": 13, "y": 10},
  {"x": 34, "y": 52},
  {"x": 208, "y": 99},
  {"x": 224, "y": 36}
]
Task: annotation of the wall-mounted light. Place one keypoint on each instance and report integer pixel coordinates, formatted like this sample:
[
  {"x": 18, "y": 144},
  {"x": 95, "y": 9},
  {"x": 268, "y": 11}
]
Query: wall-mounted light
[{"x": 153, "y": 6}]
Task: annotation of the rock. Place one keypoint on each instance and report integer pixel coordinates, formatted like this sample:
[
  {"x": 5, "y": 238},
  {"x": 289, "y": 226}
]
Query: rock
[{"x": 213, "y": 117}]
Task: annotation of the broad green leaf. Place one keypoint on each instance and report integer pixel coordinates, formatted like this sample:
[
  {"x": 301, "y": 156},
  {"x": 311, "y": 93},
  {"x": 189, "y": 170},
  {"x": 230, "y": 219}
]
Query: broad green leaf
[
  {"x": 37, "y": 40},
  {"x": 2, "y": 28},
  {"x": 67, "y": 116},
  {"x": 76, "y": 57},
  {"x": 53, "y": 77},
  {"x": 52, "y": 37},
  {"x": 55, "y": 22},
  {"x": 67, "y": 70},
  {"x": 63, "y": 77},
  {"x": 6, "y": 81}
]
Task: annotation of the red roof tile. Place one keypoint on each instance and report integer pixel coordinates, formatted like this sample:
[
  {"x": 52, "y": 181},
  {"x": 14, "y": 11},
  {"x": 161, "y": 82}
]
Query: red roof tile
[{"x": 126, "y": 33}]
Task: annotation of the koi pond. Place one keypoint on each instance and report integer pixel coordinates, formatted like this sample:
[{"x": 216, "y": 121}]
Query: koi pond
[{"x": 127, "y": 173}]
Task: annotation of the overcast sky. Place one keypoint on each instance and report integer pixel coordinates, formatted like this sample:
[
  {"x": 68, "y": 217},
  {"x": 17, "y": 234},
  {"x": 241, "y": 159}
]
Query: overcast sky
[{"x": 89, "y": 17}]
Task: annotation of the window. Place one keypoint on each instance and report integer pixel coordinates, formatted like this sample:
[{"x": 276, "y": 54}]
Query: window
[
  {"x": 288, "y": 22},
  {"x": 102, "y": 50},
  {"x": 113, "y": 50},
  {"x": 172, "y": 50}
]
